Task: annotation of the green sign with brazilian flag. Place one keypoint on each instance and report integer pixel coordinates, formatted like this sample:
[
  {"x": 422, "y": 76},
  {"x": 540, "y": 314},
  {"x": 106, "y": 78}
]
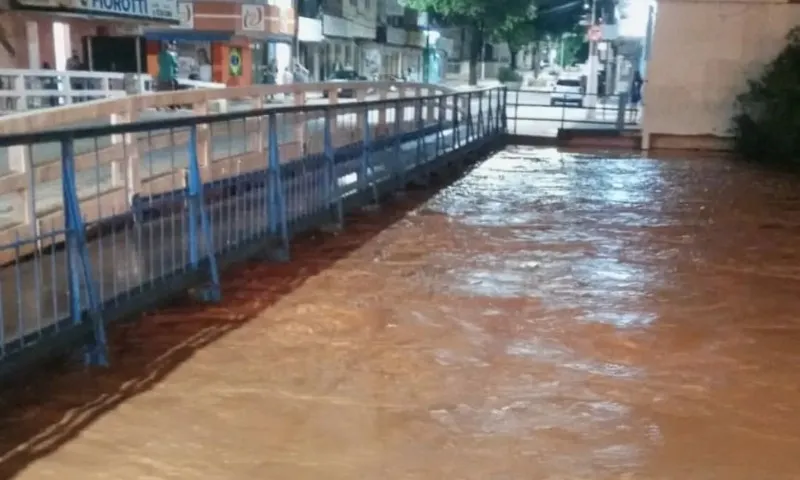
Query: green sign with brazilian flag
[{"x": 235, "y": 61}]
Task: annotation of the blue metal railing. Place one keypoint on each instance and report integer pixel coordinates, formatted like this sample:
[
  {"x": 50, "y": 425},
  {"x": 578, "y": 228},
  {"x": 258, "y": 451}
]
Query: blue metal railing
[{"x": 120, "y": 242}]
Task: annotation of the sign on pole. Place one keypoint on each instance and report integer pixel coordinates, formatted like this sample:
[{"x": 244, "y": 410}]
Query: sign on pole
[{"x": 595, "y": 34}]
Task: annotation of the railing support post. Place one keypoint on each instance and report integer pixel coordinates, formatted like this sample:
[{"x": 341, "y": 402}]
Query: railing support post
[
  {"x": 504, "y": 111},
  {"x": 470, "y": 127},
  {"x": 333, "y": 199},
  {"x": 456, "y": 121},
  {"x": 489, "y": 113},
  {"x": 422, "y": 148},
  {"x": 479, "y": 133},
  {"x": 440, "y": 126},
  {"x": 399, "y": 162},
  {"x": 80, "y": 275},
  {"x": 367, "y": 171},
  {"x": 278, "y": 222},
  {"x": 622, "y": 107},
  {"x": 199, "y": 217}
]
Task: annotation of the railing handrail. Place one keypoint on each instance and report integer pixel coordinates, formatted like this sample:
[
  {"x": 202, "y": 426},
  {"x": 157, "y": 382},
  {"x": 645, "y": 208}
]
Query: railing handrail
[
  {"x": 138, "y": 126},
  {"x": 64, "y": 115},
  {"x": 13, "y": 72}
]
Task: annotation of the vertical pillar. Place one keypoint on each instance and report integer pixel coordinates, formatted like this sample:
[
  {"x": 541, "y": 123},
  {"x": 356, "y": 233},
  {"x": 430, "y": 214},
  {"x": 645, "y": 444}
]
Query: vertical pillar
[
  {"x": 430, "y": 111},
  {"x": 362, "y": 115},
  {"x": 32, "y": 35},
  {"x": 126, "y": 172},
  {"x": 198, "y": 217},
  {"x": 299, "y": 120},
  {"x": 380, "y": 128},
  {"x": 618, "y": 75},
  {"x": 203, "y": 142},
  {"x": 315, "y": 66},
  {"x": 81, "y": 285},
  {"x": 400, "y": 64}
]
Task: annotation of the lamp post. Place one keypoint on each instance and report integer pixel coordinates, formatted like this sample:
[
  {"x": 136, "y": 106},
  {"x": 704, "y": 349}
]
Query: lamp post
[
  {"x": 591, "y": 81},
  {"x": 431, "y": 37},
  {"x": 426, "y": 55}
]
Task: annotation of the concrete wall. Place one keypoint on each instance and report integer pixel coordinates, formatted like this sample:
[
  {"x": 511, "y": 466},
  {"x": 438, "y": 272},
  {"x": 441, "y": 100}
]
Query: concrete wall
[{"x": 701, "y": 57}]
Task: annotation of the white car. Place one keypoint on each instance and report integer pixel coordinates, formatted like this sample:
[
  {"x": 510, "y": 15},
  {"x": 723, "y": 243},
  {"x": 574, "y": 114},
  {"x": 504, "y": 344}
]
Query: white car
[{"x": 567, "y": 91}]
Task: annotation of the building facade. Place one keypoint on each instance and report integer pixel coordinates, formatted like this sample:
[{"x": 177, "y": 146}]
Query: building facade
[
  {"x": 44, "y": 34},
  {"x": 310, "y": 39},
  {"x": 701, "y": 58},
  {"x": 238, "y": 40}
]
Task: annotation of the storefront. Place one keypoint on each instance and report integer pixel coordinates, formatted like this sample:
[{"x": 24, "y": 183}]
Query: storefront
[
  {"x": 239, "y": 42},
  {"x": 49, "y": 33},
  {"x": 203, "y": 55},
  {"x": 309, "y": 36},
  {"x": 271, "y": 59}
]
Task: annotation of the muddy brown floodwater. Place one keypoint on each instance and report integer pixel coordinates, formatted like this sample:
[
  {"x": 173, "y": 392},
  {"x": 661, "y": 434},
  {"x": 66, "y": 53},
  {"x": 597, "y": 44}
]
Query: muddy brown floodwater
[{"x": 550, "y": 316}]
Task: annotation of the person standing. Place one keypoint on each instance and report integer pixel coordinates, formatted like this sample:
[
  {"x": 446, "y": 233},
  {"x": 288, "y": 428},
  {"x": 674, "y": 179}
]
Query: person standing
[
  {"x": 636, "y": 94},
  {"x": 167, "y": 68},
  {"x": 74, "y": 64}
]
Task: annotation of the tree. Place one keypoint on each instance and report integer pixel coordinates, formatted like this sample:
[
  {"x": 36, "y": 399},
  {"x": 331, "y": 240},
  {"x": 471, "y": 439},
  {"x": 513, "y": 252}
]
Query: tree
[
  {"x": 554, "y": 19},
  {"x": 767, "y": 115},
  {"x": 485, "y": 18},
  {"x": 517, "y": 34}
]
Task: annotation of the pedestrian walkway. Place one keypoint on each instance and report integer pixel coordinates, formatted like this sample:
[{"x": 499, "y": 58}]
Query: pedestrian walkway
[{"x": 123, "y": 258}]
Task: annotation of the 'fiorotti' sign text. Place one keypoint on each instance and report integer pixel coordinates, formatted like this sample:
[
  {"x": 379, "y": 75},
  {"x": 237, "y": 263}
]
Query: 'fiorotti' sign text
[{"x": 149, "y": 9}]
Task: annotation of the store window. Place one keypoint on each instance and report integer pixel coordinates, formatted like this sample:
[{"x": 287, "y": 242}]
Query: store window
[{"x": 194, "y": 60}]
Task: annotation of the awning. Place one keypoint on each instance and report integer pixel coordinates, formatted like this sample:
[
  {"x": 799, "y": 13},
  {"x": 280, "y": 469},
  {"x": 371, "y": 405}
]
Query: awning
[{"x": 186, "y": 35}]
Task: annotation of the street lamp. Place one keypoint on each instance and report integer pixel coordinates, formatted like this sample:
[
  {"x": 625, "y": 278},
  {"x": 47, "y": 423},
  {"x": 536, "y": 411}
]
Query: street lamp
[
  {"x": 431, "y": 37},
  {"x": 591, "y": 82}
]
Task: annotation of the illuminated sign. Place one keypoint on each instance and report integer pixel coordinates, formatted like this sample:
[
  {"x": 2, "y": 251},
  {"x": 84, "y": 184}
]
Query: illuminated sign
[{"x": 146, "y": 9}]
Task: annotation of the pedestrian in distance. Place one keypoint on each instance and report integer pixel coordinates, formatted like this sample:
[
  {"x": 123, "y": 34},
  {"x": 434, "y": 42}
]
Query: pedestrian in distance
[{"x": 636, "y": 94}]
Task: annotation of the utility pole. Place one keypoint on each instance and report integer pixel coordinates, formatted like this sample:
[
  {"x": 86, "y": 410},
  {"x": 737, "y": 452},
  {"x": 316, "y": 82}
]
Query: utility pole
[{"x": 591, "y": 81}]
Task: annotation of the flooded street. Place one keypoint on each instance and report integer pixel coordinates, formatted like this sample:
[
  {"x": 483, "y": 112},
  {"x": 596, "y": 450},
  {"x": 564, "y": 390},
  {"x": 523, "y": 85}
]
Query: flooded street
[{"x": 550, "y": 316}]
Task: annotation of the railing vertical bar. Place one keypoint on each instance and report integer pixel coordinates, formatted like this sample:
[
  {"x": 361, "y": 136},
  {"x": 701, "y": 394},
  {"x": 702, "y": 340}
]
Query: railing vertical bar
[{"x": 79, "y": 267}]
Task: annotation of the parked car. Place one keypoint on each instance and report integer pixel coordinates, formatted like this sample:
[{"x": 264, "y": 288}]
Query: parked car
[
  {"x": 567, "y": 91},
  {"x": 343, "y": 76}
]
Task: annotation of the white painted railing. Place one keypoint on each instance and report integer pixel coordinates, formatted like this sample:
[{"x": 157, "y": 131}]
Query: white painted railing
[
  {"x": 22, "y": 90},
  {"x": 155, "y": 162}
]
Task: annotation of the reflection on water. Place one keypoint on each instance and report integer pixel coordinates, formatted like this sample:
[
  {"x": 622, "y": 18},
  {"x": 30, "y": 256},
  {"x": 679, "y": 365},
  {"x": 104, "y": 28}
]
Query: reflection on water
[{"x": 550, "y": 316}]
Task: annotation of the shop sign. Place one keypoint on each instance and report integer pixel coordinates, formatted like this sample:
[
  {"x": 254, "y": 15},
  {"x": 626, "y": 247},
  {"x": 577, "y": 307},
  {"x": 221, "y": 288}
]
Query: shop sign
[
  {"x": 147, "y": 9},
  {"x": 362, "y": 31},
  {"x": 235, "y": 61},
  {"x": 41, "y": 3},
  {"x": 396, "y": 36},
  {"x": 394, "y": 8},
  {"x": 309, "y": 30},
  {"x": 253, "y": 18},
  {"x": 335, "y": 26},
  {"x": 186, "y": 15},
  {"x": 415, "y": 39}
]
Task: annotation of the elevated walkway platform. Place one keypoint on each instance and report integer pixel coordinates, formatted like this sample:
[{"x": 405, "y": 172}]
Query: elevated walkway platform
[{"x": 102, "y": 220}]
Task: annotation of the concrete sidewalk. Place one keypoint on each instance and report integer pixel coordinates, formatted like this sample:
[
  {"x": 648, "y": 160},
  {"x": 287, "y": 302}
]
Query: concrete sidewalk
[{"x": 463, "y": 84}]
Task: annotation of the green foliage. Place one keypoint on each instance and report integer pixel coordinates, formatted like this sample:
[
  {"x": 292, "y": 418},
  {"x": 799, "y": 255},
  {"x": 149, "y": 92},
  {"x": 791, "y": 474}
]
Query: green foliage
[
  {"x": 516, "y": 32},
  {"x": 489, "y": 16},
  {"x": 767, "y": 122},
  {"x": 576, "y": 50},
  {"x": 555, "y": 19},
  {"x": 508, "y": 75}
]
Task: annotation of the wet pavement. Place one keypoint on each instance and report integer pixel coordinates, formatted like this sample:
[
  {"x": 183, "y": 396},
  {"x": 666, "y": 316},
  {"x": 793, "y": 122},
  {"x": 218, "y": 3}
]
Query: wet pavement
[{"x": 550, "y": 316}]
